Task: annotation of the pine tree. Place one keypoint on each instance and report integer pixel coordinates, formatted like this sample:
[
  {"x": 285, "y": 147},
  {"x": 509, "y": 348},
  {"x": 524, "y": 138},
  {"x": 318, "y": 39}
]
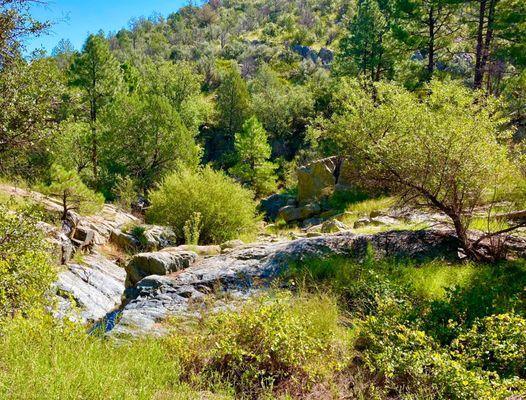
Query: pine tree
[
  {"x": 428, "y": 26},
  {"x": 253, "y": 153},
  {"x": 368, "y": 47},
  {"x": 233, "y": 101},
  {"x": 73, "y": 193},
  {"x": 97, "y": 72}
]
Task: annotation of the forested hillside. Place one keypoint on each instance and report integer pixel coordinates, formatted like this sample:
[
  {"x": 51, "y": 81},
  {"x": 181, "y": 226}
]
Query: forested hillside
[
  {"x": 176, "y": 90},
  {"x": 283, "y": 199}
]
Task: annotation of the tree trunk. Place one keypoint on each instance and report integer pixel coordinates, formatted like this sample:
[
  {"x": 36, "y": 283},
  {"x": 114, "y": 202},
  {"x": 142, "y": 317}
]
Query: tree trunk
[
  {"x": 479, "y": 68},
  {"x": 64, "y": 206},
  {"x": 431, "y": 44},
  {"x": 488, "y": 37},
  {"x": 94, "y": 141}
]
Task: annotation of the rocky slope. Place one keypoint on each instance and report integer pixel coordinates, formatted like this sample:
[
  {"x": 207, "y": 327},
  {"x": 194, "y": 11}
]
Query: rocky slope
[{"x": 243, "y": 271}]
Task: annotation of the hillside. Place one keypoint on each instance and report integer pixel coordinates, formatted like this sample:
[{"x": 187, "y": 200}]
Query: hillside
[{"x": 266, "y": 200}]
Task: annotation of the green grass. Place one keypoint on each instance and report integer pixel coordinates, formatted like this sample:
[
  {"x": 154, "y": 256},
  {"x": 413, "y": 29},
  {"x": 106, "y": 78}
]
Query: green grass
[
  {"x": 432, "y": 279},
  {"x": 375, "y": 323},
  {"x": 42, "y": 360},
  {"x": 365, "y": 207},
  {"x": 488, "y": 225}
]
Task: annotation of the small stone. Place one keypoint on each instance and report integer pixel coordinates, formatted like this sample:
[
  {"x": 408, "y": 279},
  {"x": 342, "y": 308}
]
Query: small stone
[
  {"x": 333, "y": 226},
  {"x": 361, "y": 223}
]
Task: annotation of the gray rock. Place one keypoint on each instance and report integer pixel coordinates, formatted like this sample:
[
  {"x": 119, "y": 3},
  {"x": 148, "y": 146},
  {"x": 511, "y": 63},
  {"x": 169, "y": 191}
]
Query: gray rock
[
  {"x": 159, "y": 237},
  {"x": 361, "y": 223},
  {"x": 88, "y": 291},
  {"x": 124, "y": 241},
  {"x": 316, "y": 180},
  {"x": 232, "y": 244},
  {"x": 246, "y": 270},
  {"x": 199, "y": 250},
  {"x": 333, "y": 226},
  {"x": 312, "y": 222},
  {"x": 383, "y": 220},
  {"x": 291, "y": 213},
  {"x": 271, "y": 205},
  {"x": 158, "y": 263}
]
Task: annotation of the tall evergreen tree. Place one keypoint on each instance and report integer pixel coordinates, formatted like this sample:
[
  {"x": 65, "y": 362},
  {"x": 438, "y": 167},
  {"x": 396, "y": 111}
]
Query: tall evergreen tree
[
  {"x": 233, "y": 101},
  {"x": 97, "y": 72},
  {"x": 428, "y": 26},
  {"x": 253, "y": 153},
  {"x": 368, "y": 47}
]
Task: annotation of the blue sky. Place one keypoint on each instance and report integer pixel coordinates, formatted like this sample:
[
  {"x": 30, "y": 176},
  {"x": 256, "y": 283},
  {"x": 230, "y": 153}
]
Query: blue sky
[{"x": 75, "y": 19}]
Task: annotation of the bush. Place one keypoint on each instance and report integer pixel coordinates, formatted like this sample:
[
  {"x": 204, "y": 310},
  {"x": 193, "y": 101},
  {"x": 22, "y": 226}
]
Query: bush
[
  {"x": 411, "y": 365},
  {"x": 267, "y": 342},
  {"x": 496, "y": 343},
  {"x": 227, "y": 210},
  {"x": 26, "y": 272}
]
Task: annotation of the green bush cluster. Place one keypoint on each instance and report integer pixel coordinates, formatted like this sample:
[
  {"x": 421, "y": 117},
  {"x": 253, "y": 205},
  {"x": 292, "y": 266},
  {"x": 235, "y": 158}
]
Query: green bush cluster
[
  {"x": 268, "y": 343},
  {"x": 227, "y": 210},
  {"x": 429, "y": 330},
  {"x": 26, "y": 270},
  {"x": 495, "y": 343},
  {"x": 409, "y": 363}
]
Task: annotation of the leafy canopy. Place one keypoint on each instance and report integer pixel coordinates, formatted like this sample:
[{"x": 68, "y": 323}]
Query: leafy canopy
[{"x": 443, "y": 148}]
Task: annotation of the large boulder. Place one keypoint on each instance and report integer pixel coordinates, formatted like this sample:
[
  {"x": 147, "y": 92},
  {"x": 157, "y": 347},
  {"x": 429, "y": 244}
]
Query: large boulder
[
  {"x": 317, "y": 179},
  {"x": 87, "y": 291},
  {"x": 157, "y": 263},
  {"x": 271, "y": 205},
  {"x": 247, "y": 270},
  {"x": 159, "y": 237},
  {"x": 291, "y": 213}
]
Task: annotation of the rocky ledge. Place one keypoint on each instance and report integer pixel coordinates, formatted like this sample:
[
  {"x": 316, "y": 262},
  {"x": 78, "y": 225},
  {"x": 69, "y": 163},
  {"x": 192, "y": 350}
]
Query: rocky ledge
[{"x": 247, "y": 269}]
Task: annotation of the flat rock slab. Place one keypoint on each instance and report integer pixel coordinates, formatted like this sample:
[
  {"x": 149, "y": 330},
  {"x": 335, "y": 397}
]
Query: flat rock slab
[
  {"x": 88, "y": 291},
  {"x": 250, "y": 268}
]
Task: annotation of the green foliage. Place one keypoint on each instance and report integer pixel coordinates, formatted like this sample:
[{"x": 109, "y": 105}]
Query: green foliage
[
  {"x": 446, "y": 148},
  {"x": 269, "y": 341},
  {"x": 253, "y": 153},
  {"x": 29, "y": 108},
  {"x": 179, "y": 83},
  {"x": 96, "y": 72},
  {"x": 496, "y": 343},
  {"x": 227, "y": 210},
  {"x": 409, "y": 363},
  {"x": 489, "y": 291},
  {"x": 73, "y": 194},
  {"x": 368, "y": 48},
  {"x": 282, "y": 108},
  {"x": 146, "y": 139},
  {"x": 26, "y": 271},
  {"x": 192, "y": 229},
  {"x": 233, "y": 101},
  {"x": 46, "y": 359},
  {"x": 125, "y": 192}
]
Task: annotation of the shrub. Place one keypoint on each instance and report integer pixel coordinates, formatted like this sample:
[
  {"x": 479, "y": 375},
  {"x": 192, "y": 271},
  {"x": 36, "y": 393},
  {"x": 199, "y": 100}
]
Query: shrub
[
  {"x": 267, "y": 342},
  {"x": 227, "y": 210},
  {"x": 192, "y": 229},
  {"x": 26, "y": 272},
  {"x": 125, "y": 192},
  {"x": 496, "y": 343},
  {"x": 411, "y": 365},
  {"x": 491, "y": 290}
]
